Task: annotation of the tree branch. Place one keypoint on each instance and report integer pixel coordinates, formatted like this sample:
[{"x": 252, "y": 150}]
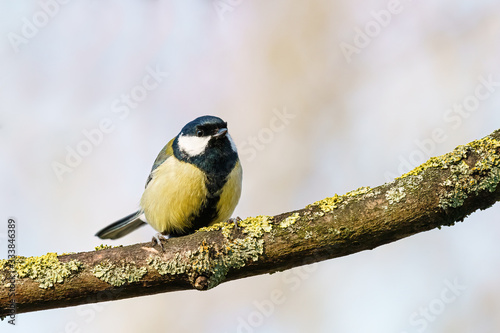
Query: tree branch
[{"x": 438, "y": 193}]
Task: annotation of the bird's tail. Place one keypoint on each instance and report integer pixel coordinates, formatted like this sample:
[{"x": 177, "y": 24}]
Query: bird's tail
[{"x": 121, "y": 227}]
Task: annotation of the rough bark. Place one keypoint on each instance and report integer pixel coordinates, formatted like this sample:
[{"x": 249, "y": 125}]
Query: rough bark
[{"x": 438, "y": 193}]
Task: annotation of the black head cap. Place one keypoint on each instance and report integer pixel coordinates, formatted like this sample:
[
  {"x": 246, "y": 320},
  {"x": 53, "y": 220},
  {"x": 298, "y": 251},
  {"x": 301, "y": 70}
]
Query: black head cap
[{"x": 204, "y": 126}]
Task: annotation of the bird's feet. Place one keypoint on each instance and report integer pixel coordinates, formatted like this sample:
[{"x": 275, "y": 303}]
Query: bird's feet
[
  {"x": 235, "y": 220},
  {"x": 158, "y": 238}
]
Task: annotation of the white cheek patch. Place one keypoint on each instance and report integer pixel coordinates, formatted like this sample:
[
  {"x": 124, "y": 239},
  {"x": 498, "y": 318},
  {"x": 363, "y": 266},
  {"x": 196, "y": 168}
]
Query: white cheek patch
[
  {"x": 233, "y": 146},
  {"x": 193, "y": 145}
]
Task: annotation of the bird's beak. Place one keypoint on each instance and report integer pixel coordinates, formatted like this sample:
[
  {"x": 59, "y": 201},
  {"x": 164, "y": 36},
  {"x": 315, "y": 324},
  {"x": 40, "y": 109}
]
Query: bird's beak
[{"x": 222, "y": 132}]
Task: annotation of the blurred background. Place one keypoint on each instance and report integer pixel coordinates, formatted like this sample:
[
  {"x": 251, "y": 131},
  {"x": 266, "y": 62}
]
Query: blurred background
[{"x": 321, "y": 97}]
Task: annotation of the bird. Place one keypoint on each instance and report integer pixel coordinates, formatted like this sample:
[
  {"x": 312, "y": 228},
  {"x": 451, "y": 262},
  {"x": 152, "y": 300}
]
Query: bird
[{"x": 195, "y": 182}]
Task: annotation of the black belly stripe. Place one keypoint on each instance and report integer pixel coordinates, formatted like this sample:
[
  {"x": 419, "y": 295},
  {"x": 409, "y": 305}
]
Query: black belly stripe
[{"x": 207, "y": 214}]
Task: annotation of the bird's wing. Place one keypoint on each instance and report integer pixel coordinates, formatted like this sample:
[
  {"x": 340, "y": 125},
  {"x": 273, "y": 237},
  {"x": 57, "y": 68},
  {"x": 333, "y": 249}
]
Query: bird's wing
[{"x": 164, "y": 154}]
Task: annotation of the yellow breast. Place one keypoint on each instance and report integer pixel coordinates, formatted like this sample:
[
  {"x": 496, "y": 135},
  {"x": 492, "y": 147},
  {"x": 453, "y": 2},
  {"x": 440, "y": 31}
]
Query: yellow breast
[{"x": 176, "y": 191}]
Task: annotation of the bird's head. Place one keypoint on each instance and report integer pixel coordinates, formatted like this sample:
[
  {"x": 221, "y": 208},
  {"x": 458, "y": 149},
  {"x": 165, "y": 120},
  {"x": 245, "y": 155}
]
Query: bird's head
[{"x": 203, "y": 135}]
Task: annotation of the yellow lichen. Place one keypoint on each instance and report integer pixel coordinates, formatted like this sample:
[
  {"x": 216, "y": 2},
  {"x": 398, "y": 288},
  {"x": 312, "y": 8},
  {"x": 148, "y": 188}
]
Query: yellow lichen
[
  {"x": 328, "y": 204},
  {"x": 465, "y": 180},
  {"x": 256, "y": 226},
  {"x": 289, "y": 220},
  {"x": 172, "y": 267},
  {"x": 46, "y": 270},
  {"x": 395, "y": 195},
  {"x": 209, "y": 262},
  {"x": 215, "y": 262},
  {"x": 103, "y": 247},
  {"x": 118, "y": 275},
  {"x": 359, "y": 191},
  {"x": 226, "y": 227},
  {"x": 484, "y": 175},
  {"x": 487, "y": 144}
]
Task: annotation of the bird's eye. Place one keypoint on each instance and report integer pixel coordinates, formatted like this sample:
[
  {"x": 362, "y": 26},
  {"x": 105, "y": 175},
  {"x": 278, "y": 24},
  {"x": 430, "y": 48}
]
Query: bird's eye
[{"x": 199, "y": 133}]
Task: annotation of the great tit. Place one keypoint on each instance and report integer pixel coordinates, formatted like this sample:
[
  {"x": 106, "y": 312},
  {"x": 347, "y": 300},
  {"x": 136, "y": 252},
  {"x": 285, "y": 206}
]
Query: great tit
[{"x": 195, "y": 182}]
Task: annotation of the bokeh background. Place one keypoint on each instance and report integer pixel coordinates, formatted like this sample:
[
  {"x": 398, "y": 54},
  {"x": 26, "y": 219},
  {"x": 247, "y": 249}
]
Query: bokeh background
[{"x": 321, "y": 97}]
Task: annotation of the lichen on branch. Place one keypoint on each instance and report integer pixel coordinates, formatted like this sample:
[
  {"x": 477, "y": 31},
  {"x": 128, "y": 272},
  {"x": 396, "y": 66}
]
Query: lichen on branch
[{"x": 438, "y": 193}]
